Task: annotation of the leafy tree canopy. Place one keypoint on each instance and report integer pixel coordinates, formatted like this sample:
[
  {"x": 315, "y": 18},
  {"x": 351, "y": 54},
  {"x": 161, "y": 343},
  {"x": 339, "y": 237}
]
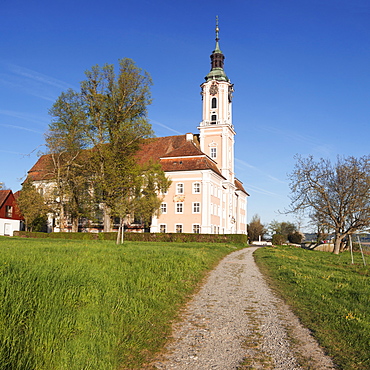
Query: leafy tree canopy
[
  {"x": 93, "y": 139},
  {"x": 32, "y": 207}
]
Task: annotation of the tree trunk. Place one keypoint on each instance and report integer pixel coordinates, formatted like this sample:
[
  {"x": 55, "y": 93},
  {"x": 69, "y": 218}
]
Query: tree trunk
[
  {"x": 118, "y": 234},
  {"x": 337, "y": 243},
  {"x": 121, "y": 230},
  {"x": 75, "y": 225},
  {"x": 61, "y": 218},
  {"x": 106, "y": 218}
]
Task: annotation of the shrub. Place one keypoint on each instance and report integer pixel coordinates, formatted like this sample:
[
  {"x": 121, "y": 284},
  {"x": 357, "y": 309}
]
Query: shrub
[
  {"x": 143, "y": 237},
  {"x": 295, "y": 237},
  {"x": 278, "y": 239}
]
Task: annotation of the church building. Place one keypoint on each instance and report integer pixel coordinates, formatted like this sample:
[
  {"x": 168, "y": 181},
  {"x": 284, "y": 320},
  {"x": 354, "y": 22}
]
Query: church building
[{"x": 205, "y": 196}]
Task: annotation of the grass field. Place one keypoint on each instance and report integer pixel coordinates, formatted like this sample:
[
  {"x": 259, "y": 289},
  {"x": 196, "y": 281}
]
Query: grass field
[
  {"x": 329, "y": 294},
  {"x": 91, "y": 304}
]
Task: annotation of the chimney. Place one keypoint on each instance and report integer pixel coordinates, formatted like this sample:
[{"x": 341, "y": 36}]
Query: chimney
[{"x": 189, "y": 137}]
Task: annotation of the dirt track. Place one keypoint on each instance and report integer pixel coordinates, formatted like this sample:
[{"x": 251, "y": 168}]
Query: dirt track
[{"x": 236, "y": 318}]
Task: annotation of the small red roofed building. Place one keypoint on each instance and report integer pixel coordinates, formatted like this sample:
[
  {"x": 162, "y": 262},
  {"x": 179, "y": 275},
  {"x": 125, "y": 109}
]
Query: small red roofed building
[{"x": 10, "y": 217}]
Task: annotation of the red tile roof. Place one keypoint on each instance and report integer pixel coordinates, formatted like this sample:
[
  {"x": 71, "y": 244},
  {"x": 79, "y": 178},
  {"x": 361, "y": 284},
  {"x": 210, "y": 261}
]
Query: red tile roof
[
  {"x": 187, "y": 149},
  {"x": 4, "y": 196},
  {"x": 41, "y": 170},
  {"x": 155, "y": 148},
  {"x": 189, "y": 164},
  {"x": 239, "y": 186},
  {"x": 7, "y": 198},
  {"x": 175, "y": 153}
]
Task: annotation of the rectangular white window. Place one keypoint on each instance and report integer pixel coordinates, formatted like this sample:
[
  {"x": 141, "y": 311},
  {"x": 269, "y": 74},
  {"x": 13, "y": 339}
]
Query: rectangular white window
[
  {"x": 179, "y": 207},
  {"x": 178, "y": 228},
  {"x": 164, "y": 208},
  {"x": 162, "y": 228},
  {"x": 196, "y": 229},
  {"x": 8, "y": 211},
  {"x": 196, "y": 188},
  {"x": 180, "y": 188},
  {"x": 213, "y": 152},
  {"x": 196, "y": 207}
]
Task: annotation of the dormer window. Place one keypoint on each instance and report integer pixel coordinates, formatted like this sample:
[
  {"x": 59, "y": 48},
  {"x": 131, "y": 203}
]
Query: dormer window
[{"x": 214, "y": 103}]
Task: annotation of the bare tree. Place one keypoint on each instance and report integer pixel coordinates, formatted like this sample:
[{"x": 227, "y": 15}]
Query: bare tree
[{"x": 338, "y": 195}]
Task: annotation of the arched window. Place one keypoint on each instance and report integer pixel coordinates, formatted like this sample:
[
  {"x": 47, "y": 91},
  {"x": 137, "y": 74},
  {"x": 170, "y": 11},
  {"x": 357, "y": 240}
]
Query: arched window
[{"x": 214, "y": 103}]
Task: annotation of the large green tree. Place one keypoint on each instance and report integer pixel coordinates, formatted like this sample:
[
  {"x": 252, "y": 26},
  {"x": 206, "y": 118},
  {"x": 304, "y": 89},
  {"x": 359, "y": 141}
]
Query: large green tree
[
  {"x": 32, "y": 207},
  {"x": 256, "y": 229},
  {"x": 284, "y": 228},
  {"x": 283, "y": 231},
  {"x": 138, "y": 200},
  {"x": 97, "y": 132},
  {"x": 336, "y": 195},
  {"x": 66, "y": 141},
  {"x": 116, "y": 107}
]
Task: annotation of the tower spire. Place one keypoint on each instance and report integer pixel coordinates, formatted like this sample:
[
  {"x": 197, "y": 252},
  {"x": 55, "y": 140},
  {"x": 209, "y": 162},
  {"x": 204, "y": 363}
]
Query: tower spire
[
  {"x": 217, "y": 48},
  {"x": 217, "y": 61}
]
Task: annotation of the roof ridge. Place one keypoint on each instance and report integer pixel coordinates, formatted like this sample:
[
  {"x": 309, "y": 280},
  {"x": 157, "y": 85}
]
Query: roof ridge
[{"x": 4, "y": 194}]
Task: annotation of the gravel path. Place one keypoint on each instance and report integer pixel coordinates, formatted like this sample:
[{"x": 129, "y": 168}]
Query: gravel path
[{"x": 236, "y": 318}]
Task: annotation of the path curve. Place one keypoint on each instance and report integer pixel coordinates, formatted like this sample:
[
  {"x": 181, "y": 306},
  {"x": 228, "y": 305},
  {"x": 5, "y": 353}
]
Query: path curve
[{"x": 235, "y": 318}]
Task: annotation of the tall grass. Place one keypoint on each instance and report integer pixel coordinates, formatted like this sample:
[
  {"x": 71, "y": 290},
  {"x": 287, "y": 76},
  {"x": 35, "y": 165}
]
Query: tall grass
[
  {"x": 329, "y": 294},
  {"x": 91, "y": 304}
]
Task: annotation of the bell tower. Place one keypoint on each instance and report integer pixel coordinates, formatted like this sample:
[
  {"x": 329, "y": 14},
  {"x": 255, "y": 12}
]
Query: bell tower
[{"x": 216, "y": 129}]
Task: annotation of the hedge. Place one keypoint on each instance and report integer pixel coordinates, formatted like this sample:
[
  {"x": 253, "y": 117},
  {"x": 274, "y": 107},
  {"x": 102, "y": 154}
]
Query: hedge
[{"x": 145, "y": 237}]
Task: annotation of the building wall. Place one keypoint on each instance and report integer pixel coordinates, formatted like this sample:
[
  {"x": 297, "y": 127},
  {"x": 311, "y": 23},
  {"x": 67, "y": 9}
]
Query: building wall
[
  {"x": 8, "y": 226},
  {"x": 220, "y": 210},
  {"x": 10, "y": 202}
]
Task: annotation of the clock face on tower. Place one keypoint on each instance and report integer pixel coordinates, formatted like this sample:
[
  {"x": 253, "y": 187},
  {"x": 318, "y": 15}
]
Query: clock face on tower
[{"x": 213, "y": 89}]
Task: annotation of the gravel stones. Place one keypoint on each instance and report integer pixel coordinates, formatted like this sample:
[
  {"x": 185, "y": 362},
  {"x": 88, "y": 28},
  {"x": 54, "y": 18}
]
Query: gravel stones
[{"x": 235, "y": 321}]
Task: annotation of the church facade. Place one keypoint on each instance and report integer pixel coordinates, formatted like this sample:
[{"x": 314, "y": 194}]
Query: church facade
[{"x": 205, "y": 196}]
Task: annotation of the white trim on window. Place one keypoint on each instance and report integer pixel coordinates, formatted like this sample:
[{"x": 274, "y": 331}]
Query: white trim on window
[
  {"x": 163, "y": 208},
  {"x": 196, "y": 188},
  {"x": 179, "y": 207},
  {"x": 180, "y": 188},
  {"x": 214, "y": 103},
  {"x": 196, "y": 228},
  {"x": 196, "y": 207},
  {"x": 179, "y": 228},
  {"x": 162, "y": 228}
]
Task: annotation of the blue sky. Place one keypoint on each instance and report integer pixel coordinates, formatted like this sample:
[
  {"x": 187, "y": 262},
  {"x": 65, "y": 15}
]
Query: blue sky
[{"x": 300, "y": 70}]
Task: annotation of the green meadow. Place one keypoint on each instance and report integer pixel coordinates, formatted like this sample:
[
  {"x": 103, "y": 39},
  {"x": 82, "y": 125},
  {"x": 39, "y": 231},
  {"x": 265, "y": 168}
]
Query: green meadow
[
  {"x": 329, "y": 294},
  {"x": 92, "y": 304}
]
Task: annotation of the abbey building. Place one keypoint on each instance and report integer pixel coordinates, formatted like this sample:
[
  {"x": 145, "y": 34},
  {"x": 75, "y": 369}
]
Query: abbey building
[{"x": 205, "y": 196}]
